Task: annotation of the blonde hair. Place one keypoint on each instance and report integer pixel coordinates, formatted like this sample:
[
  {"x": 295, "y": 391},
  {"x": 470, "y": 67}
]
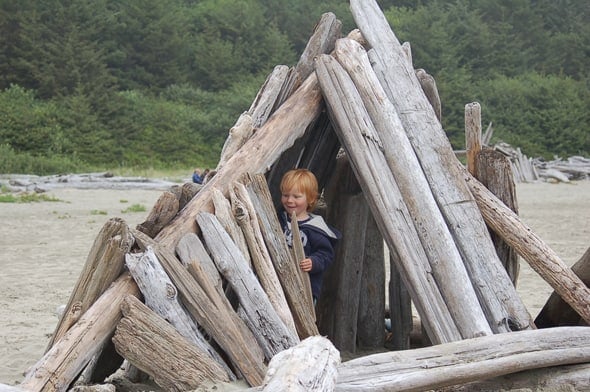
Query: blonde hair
[{"x": 304, "y": 181}]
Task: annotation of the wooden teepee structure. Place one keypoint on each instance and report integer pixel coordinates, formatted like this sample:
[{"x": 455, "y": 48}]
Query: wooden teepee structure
[{"x": 206, "y": 290}]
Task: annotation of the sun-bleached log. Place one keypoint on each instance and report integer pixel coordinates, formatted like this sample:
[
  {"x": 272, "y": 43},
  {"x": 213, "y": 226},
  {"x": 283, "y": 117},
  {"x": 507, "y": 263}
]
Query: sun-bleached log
[
  {"x": 161, "y": 296},
  {"x": 191, "y": 252},
  {"x": 155, "y": 347},
  {"x": 211, "y": 310},
  {"x": 60, "y": 366},
  {"x": 466, "y": 360},
  {"x": 284, "y": 265},
  {"x": 225, "y": 215},
  {"x": 532, "y": 248},
  {"x": 365, "y": 151},
  {"x": 104, "y": 264},
  {"x": 269, "y": 330},
  {"x": 496, "y": 293},
  {"x": 298, "y": 255},
  {"x": 436, "y": 239},
  {"x": 247, "y": 218},
  {"x": 161, "y": 214}
]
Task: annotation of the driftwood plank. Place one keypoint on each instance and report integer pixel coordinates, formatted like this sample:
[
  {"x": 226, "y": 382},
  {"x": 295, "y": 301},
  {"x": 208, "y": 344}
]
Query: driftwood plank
[
  {"x": 466, "y": 360},
  {"x": 298, "y": 255},
  {"x": 104, "y": 264},
  {"x": 533, "y": 249},
  {"x": 191, "y": 251},
  {"x": 280, "y": 255},
  {"x": 365, "y": 151},
  {"x": 155, "y": 347},
  {"x": 225, "y": 215},
  {"x": 436, "y": 239},
  {"x": 60, "y": 366},
  {"x": 247, "y": 219},
  {"x": 496, "y": 293},
  {"x": 269, "y": 330},
  {"x": 163, "y": 211}
]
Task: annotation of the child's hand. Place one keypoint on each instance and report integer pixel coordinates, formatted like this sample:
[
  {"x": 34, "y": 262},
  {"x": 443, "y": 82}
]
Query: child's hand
[{"x": 305, "y": 265}]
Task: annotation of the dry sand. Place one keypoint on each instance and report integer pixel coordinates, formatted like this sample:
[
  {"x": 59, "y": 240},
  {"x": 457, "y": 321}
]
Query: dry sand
[{"x": 43, "y": 247}]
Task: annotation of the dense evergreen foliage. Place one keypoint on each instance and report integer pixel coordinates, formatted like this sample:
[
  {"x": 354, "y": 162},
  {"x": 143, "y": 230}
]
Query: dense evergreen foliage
[{"x": 157, "y": 83}]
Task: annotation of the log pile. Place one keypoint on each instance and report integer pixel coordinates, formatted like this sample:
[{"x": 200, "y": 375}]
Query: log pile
[{"x": 206, "y": 290}]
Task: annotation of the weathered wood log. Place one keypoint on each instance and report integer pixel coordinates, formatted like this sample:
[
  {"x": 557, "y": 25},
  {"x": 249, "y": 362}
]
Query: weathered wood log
[
  {"x": 312, "y": 365},
  {"x": 365, "y": 151},
  {"x": 270, "y": 331},
  {"x": 161, "y": 214},
  {"x": 472, "y": 135},
  {"x": 242, "y": 130},
  {"x": 154, "y": 346},
  {"x": 59, "y": 367},
  {"x": 10, "y": 388},
  {"x": 225, "y": 215},
  {"x": 436, "y": 239},
  {"x": 465, "y": 360},
  {"x": 280, "y": 256},
  {"x": 400, "y": 309},
  {"x": 554, "y": 378},
  {"x": 104, "y": 264},
  {"x": 496, "y": 293},
  {"x": 210, "y": 310},
  {"x": 298, "y": 254},
  {"x": 285, "y": 126},
  {"x": 191, "y": 252},
  {"x": 247, "y": 219},
  {"x": 495, "y": 173},
  {"x": 558, "y": 312},
  {"x": 161, "y": 296},
  {"x": 532, "y": 248},
  {"x": 429, "y": 87}
]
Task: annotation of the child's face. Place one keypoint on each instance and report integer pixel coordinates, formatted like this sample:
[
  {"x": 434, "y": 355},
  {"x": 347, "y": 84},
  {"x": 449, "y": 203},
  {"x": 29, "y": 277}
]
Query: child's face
[{"x": 295, "y": 200}]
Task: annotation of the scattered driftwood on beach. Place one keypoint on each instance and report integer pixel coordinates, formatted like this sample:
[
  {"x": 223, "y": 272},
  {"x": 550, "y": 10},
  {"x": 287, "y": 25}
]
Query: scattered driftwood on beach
[{"x": 210, "y": 292}]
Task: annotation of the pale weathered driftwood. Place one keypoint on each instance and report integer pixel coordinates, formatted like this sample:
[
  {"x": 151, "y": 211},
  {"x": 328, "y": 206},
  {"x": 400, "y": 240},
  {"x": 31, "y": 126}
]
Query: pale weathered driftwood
[
  {"x": 104, "y": 264},
  {"x": 247, "y": 219},
  {"x": 466, "y": 360},
  {"x": 225, "y": 215},
  {"x": 435, "y": 237},
  {"x": 238, "y": 135},
  {"x": 154, "y": 346},
  {"x": 428, "y": 85},
  {"x": 69, "y": 355},
  {"x": 556, "y": 311},
  {"x": 364, "y": 149},
  {"x": 281, "y": 258},
  {"x": 532, "y": 248},
  {"x": 496, "y": 293},
  {"x": 161, "y": 296},
  {"x": 298, "y": 255},
  {"x": 211, "y": 310},
  {"x": 191, "y": 251},
  {"x": 269, "y": 330},
  {"x": 310, "y": 366}
]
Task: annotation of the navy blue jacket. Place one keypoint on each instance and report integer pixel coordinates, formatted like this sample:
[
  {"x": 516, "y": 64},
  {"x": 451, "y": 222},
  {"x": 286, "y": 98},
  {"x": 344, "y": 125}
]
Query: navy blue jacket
[{"x": 319, "y": 241}]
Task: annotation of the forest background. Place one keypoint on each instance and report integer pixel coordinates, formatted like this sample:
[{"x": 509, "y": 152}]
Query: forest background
[{"x": 111, "y": 84}]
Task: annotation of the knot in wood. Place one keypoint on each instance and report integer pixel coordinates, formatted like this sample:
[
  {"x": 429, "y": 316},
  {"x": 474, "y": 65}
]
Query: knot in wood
[{"x": 170, "y": 291}]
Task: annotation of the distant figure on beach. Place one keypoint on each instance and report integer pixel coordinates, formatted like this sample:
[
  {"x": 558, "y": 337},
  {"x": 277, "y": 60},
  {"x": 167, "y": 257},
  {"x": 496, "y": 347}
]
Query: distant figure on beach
[{"x": 197, "y": 178}]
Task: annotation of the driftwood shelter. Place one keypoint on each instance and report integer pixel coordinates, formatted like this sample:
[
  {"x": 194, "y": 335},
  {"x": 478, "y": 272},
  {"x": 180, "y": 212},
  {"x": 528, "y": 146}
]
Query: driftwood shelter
[{"x": 206, "y": 290}]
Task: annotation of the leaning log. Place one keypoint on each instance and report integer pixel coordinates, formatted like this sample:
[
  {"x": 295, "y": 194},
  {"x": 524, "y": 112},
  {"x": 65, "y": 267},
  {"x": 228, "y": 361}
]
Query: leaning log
[
  {"x": 155, "y": 347},
  {"x": 270, "y": 331},
  {"x": 532, "y": 248},
  {"x": 433, "y": 232},
  {"x": 466, "y": 360},
  {"x": 60, "y": 366},
  {"x": 104, "y": 264},
  {"x": 496, "y": 294},
  {"x": 365, "y": 151}
]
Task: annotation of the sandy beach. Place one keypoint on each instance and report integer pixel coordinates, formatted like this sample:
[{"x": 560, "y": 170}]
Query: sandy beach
[{"x": 43, "y": 247}]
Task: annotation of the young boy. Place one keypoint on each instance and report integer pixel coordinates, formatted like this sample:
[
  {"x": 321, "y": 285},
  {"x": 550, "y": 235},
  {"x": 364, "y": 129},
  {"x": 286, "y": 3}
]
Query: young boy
[{"x": 299, "y": 194}]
